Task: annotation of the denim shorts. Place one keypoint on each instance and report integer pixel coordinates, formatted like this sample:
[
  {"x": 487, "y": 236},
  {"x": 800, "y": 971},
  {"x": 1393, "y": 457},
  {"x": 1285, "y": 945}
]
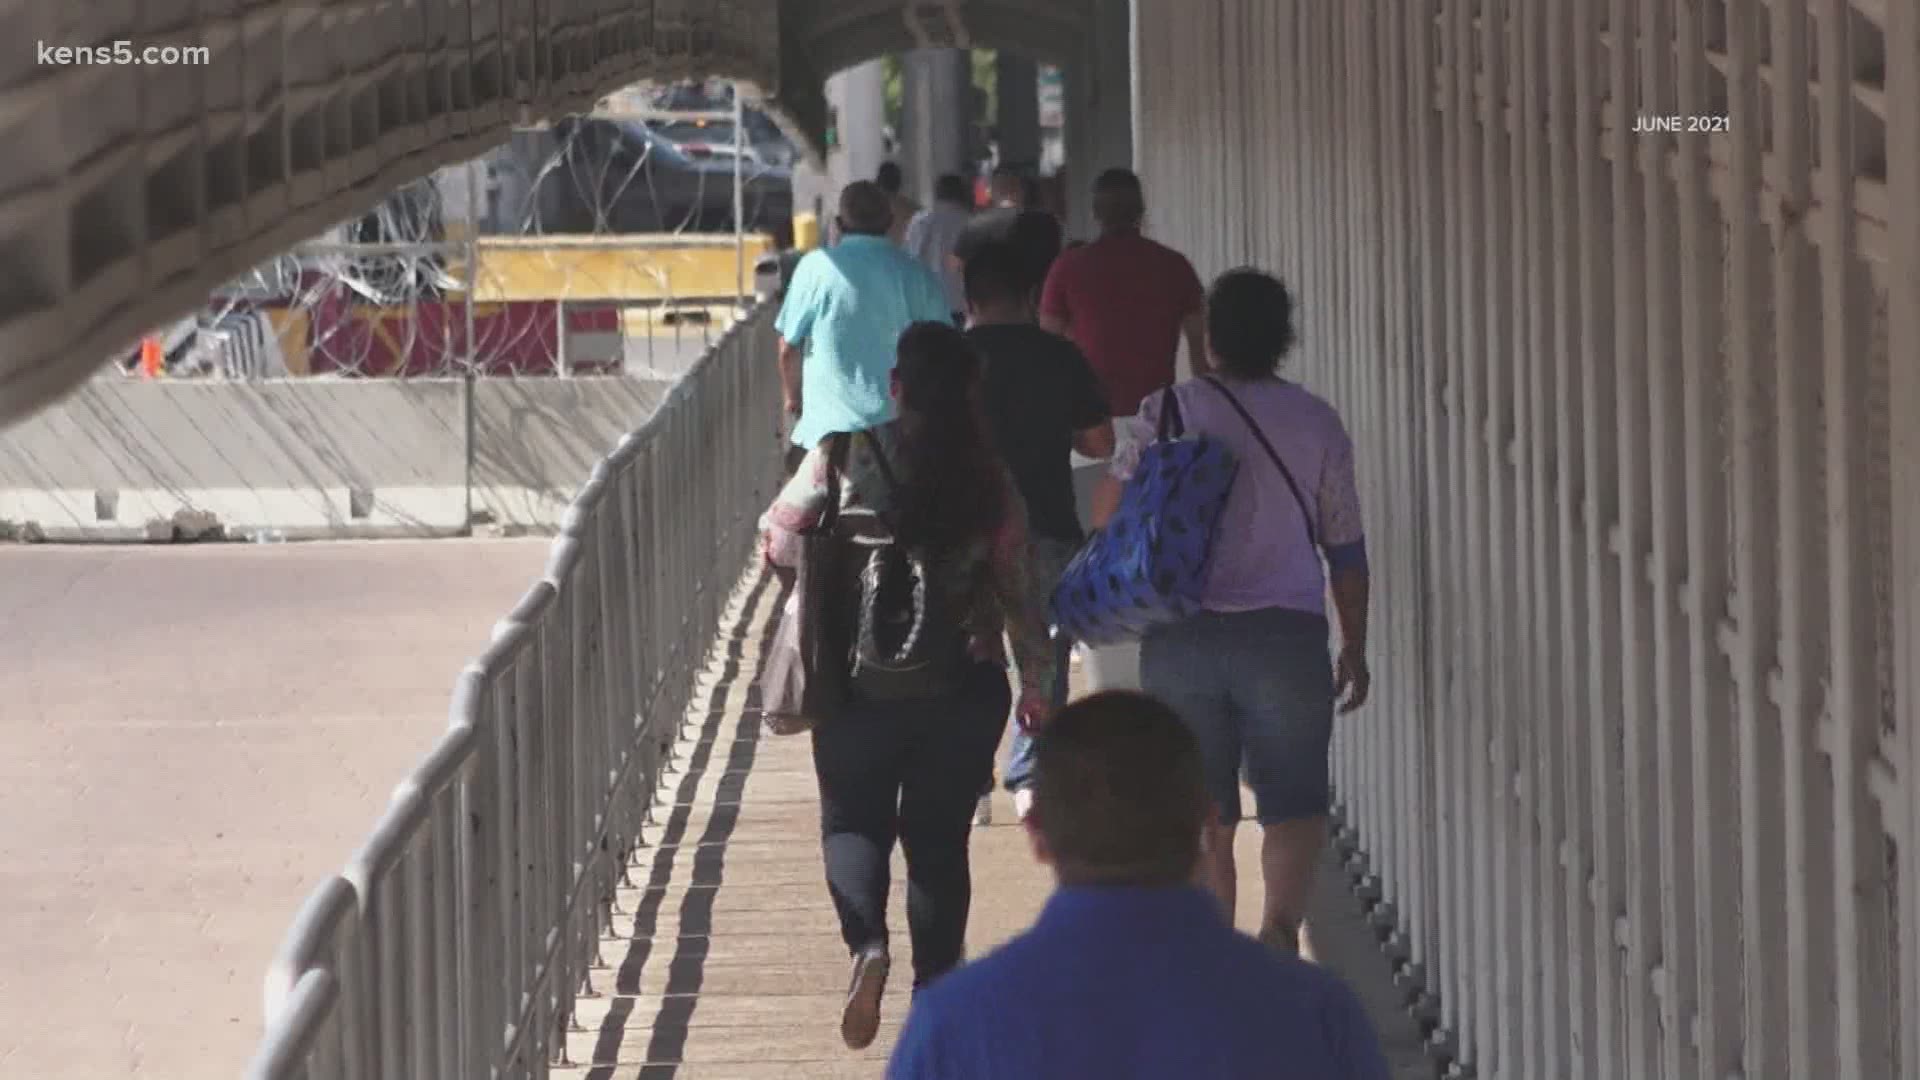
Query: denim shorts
[{"x": 1256, "y": 690}]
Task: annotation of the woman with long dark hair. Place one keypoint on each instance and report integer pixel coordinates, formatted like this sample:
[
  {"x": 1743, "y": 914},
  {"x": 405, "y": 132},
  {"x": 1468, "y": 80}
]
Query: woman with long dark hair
[{"x": 908, "y": 764}]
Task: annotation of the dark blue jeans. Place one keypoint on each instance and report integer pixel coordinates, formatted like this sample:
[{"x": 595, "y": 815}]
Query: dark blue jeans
[
  {"x": 1020, "y": 755},
  {"x": 907, "y": 772},
  {"x": 1047, "y": 561}
]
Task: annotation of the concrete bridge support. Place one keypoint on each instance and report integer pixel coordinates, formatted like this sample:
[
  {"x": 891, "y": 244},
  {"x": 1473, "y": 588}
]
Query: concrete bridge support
[{"x": 936, "y": 117}]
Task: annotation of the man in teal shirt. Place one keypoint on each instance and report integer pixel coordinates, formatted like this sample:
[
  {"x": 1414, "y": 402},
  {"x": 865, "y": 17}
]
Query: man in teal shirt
[{"x": 842, "y": 320}]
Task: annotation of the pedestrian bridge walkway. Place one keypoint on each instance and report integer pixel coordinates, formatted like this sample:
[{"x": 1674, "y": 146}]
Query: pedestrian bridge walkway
[
  {"x": 604, "y": 868},
  {"x": 725, "y": 961}
]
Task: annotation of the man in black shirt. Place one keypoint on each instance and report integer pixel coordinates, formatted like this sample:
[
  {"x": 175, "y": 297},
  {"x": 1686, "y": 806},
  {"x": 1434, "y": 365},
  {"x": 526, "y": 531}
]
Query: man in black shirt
[
  {"x": 1010, "y": 219},
  {"x": 1042, "y": 403}
]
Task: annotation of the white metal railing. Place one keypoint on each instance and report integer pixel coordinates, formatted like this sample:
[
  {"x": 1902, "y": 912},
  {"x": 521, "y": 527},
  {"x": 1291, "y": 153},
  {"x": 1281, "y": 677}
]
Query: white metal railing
[
  {"x": 455, "y": 940},
  {"x": 1639, "y": 792}
]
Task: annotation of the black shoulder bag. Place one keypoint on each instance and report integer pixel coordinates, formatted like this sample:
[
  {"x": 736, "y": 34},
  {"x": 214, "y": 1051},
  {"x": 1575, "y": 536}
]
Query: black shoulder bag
[{"x": 804, "y": 681}]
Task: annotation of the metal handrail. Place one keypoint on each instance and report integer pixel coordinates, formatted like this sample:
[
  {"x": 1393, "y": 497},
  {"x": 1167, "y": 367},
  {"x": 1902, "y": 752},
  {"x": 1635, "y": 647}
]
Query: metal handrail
[
  {"x": 456, "y": 939},
  {"x": 286, "y": 1052}
]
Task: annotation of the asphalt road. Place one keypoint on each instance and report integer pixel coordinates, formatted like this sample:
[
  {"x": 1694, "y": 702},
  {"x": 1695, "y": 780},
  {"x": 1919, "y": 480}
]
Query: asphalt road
[{"x": 191, "y": 738}]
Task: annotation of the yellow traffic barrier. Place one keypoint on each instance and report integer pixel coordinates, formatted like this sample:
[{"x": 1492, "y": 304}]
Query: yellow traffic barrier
[
  {"x": 806, "y": 231},
  {"x": 681, "y": 268}
]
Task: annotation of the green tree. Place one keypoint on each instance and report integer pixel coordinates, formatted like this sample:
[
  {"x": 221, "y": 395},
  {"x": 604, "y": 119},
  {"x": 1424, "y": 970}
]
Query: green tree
[
  {"x": 986, "y": 79},
  {"x": 895, "y": 89}
]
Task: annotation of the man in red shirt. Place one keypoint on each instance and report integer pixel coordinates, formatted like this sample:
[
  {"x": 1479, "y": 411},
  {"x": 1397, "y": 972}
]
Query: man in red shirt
[{"x": 1126, "y": 300}]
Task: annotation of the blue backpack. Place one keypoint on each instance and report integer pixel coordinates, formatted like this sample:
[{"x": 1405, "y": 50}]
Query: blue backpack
[{"x": 1149, "y": 565}]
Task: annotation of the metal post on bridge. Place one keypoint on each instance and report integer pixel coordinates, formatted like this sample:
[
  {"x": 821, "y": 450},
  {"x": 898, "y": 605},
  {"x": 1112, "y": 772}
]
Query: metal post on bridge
[
  {"x": 739, "y": 203},
  {"x": 473, "y": 357}
]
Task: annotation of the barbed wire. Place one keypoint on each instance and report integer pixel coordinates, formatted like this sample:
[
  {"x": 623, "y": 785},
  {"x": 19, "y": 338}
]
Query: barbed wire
[{"x": 585, "y": 246}]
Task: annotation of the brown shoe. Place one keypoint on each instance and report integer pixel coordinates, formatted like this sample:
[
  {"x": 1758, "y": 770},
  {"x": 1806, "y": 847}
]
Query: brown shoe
[
  {"x": 1284, "y": 938},
  {"x": 860, "y": 1022}
]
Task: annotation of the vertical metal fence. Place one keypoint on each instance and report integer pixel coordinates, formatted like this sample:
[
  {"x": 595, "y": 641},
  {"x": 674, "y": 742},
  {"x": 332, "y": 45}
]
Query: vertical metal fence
[
  {"x": 455, "y": 942},
  {"x": 1621, "y": 299}
]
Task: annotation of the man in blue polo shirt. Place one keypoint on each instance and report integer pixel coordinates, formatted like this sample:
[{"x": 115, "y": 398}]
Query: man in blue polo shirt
[
  {"x": 1131, "y": 971},
  {"x": 842, "y": 320}
]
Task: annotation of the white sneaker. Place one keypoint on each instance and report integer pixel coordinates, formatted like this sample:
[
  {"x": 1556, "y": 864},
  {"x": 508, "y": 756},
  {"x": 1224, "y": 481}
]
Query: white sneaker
[
  {"x": 860, "y": 1019},
  {"x": 983, "y": 815},
  {"x": 1023, "y": 803}
]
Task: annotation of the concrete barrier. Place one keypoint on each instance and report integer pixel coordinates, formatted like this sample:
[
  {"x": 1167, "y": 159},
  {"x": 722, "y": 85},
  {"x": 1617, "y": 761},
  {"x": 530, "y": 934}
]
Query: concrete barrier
[
  {"x": 536, "y": 440},
  {"x": 309, "y": 459},
  {"x": 132, "y": 460}
]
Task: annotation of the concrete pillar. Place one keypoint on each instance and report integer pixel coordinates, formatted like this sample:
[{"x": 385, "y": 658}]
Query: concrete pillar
[
  {"x": 936, "y": 114},
  {"x": 1019, "y": 110},
  {"x": 858, "y": 96},
  {"x": 1100, "y": 136},
  {"x": 1099, "y": 109},
  {"x": 857, "y": 99}
]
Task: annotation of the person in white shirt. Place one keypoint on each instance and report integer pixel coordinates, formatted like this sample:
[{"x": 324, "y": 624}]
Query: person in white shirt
[{"x": 934, "y": 232}]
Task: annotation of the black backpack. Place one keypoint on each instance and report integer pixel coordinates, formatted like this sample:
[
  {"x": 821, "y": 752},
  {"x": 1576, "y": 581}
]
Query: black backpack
[{"x": 908, "y": 642}]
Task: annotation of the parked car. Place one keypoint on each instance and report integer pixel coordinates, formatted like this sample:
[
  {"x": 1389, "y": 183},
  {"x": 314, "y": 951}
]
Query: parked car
[
  {"x": 702, "y": 107},
  {"x": 701, "y": 139},
  {"x": 715, "y": 96},
  {"x": 624, "y": 176}
]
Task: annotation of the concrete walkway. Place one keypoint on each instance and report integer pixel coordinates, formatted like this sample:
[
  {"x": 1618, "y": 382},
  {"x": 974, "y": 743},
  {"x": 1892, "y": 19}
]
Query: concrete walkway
[{"x": 729, "y": 964}]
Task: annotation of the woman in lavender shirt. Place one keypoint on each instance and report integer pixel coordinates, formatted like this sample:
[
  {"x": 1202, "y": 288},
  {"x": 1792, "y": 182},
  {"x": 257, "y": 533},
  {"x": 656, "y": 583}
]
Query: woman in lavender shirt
[{"x": 1252, "y": 674}]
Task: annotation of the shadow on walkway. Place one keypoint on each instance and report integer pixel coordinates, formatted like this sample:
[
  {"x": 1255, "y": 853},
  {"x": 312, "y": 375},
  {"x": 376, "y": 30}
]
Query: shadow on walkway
[{"x": 730, "y": 963}]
